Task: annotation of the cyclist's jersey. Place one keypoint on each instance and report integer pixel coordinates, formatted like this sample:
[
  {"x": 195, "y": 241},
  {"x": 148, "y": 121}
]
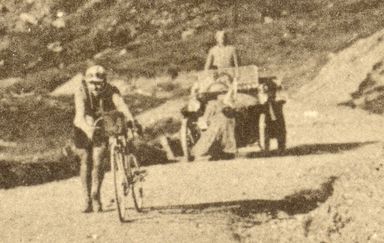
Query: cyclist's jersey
[{"x": 95, "y": 105}]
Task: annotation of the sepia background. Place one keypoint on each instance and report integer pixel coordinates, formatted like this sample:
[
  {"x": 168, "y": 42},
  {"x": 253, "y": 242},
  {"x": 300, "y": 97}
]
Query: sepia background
[{"x": 326, "y": 187}]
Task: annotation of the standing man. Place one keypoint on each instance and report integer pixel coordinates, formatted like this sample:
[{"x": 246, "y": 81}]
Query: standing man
[
  {"x": 93, "y": 97},
  {"x": 222, "y": 55}
]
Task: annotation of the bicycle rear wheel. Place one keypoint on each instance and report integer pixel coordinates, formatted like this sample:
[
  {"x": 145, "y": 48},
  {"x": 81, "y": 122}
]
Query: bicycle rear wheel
[
  {"x": 136, "y": 182},
  {"x": 121, "y": 183}
]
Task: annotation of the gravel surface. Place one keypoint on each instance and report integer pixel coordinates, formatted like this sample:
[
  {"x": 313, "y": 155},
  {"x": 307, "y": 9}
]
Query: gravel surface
[{"x": 327, "y": 188}]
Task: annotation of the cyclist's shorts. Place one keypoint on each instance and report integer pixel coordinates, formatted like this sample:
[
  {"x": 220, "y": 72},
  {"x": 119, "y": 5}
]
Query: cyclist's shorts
[{"x": 81, "y": 140}]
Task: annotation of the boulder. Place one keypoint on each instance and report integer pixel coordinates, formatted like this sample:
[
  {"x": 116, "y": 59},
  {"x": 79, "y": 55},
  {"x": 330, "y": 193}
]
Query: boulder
[
  {"x": 55, "y": 46},
  {"x": 268, "y": 20},
  {"x": 59, "y": 23},
  {"x": 28, "y": 18},
  {"x": 186, "y": 34}
]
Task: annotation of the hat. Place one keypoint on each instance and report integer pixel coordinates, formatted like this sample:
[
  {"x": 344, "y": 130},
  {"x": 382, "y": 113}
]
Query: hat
[{"x": 95, "y": 74}]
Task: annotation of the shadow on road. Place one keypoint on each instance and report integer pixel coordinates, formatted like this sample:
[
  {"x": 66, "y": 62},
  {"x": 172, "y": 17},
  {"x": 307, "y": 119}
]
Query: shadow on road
[
  {"x": 298, "y": 203},
  {"x": 13, "y": 173},
  {"x": 311, "y": 149}
]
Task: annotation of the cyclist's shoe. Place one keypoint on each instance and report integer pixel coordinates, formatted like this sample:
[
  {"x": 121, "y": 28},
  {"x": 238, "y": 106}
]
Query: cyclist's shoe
[
  {"x": 97, "y": 206},
  {"x": 88, "y": 208}
]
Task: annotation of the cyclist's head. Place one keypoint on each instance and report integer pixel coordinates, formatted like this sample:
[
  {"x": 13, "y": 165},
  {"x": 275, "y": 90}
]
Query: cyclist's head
[{"x": 96, "y": 78}]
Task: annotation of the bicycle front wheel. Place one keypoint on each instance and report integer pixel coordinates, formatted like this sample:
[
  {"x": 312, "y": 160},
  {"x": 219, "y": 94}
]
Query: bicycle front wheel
[
  {"x": 136, "y": 183},
  {"x": 120, "y": 181}
]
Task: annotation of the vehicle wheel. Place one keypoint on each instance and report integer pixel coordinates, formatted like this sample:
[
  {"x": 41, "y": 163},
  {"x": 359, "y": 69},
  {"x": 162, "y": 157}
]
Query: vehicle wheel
[
  {"x": 136, "y": 183},
  {"x": 120, "y": 181},
  {"x": 263, "y": 133}
]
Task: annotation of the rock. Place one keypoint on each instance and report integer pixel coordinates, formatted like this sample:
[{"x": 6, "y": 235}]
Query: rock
[
  {"x": 60, "y": 14},
  {"x": 215, "y": 18},
  {"x": 3, "y": 9},
  {"x": 186, "y": 34},
  {"x": 160, "y": 33},
  {"x": 268, "y": 20},
  {"x": 33, "y": 63},
  {"x": 28, "y": 18},
  {"x": 59, "y": 23},
  {"x": 102, "y": 53},
  {"x": 133, "y": 11},
  {"x": 198, "y": 22},
  {"x": 287, "y": 35},
  {"x": 284, "y": 13},
  {"x": 55, "y": 46},
  {"x": 2, "y": 62},
  {"x": 123, "y": 52}
]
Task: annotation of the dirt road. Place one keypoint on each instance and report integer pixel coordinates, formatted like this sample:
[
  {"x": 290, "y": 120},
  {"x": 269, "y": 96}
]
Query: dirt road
[{"x": 327, "y": 188}]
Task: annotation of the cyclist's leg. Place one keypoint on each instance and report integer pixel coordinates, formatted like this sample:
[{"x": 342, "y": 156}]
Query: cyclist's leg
[
  {"x": 85, "y": 177},
  {"x": 98, "y": 156},
  {"x": 83, "y": 150}
]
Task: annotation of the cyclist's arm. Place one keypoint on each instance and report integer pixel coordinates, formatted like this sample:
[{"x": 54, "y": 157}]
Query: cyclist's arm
[
  {"x": 80, "y": 120},
  {"x": 121, "y": 106}
]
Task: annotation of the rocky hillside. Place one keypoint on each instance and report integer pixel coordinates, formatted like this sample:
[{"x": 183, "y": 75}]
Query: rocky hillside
[
  {"x": 370, "y": 93},
  {"x": 45, "y": 42}
]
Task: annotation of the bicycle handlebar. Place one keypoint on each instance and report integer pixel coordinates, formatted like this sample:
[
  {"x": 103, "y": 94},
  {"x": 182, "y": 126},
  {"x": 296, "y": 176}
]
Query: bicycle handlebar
[{"x": 134, "y": 125}]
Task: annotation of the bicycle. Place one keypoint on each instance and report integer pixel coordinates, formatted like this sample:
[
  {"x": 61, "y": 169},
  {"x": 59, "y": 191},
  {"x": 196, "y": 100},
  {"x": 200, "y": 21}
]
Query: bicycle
[{"x": 127, "y": 175}]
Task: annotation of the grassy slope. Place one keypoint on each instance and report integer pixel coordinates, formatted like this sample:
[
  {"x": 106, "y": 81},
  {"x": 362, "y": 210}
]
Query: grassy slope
[
  {"x": 294, "y": 46},
  {"x": 304, "y": 35}
]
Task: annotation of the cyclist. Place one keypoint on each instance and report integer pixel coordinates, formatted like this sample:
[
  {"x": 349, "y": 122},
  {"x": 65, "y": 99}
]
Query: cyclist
[{"x": 94, "y": 96}]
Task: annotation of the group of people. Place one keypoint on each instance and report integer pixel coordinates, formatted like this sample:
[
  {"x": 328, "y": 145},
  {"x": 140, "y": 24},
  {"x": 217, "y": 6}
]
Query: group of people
[{"x": 95, "y": 96}]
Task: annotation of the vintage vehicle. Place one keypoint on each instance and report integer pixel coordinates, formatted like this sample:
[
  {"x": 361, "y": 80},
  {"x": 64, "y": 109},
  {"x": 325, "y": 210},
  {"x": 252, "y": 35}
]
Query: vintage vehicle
[{"x": 255, "y": 124}]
